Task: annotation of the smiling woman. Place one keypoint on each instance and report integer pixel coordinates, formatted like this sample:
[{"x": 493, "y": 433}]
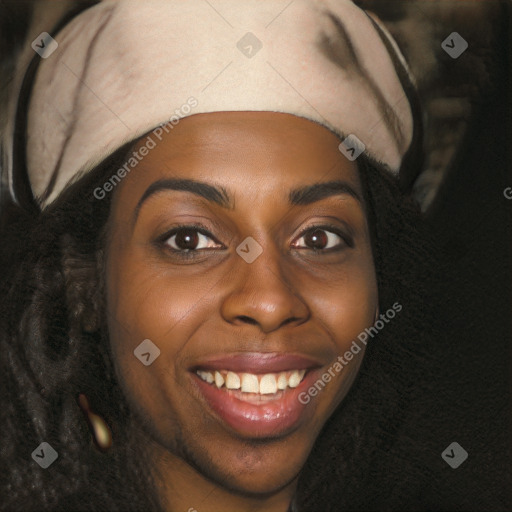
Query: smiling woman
[
  {"x": 185, "y": 312},
  {"x": 293, "y": 309},
  {"x": 238, "y": 342}
]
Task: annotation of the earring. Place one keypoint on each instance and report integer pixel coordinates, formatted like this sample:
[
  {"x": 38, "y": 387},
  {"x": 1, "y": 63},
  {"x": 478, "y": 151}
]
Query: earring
[{"x": 101, "y": 434}]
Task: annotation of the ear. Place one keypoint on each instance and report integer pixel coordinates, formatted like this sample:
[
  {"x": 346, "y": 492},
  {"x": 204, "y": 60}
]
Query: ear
[{"x": 83, "y": 283}]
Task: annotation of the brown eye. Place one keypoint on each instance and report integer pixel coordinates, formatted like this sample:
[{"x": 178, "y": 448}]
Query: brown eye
[
  {"x": 186, "y": 239},
  {"x": 190, "y": 239},
  {"x": 318, "y": 239}
]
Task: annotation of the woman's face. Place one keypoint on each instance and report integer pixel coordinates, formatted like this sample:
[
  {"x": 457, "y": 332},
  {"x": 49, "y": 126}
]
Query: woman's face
[{"x": 240, "y": 247}]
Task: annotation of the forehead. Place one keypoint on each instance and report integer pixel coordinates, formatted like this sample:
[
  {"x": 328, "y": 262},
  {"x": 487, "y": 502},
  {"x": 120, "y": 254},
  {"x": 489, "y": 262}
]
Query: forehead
[{"x": 256, "y": 152}]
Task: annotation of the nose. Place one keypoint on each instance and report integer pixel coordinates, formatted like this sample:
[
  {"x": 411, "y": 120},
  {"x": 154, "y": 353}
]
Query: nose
[{"x": 261, "y": 295}]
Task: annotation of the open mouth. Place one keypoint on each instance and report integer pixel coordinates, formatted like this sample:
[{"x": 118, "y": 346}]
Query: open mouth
[
  {"x": 252, "y": 386},
  {"x": 262, "y": 401}
]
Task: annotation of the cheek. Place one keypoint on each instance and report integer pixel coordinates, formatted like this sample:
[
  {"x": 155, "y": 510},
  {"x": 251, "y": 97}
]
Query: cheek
[
  {"x": 147, "y": 301},
  {"x": 347, "y": 302},
  {"x": 349, "y": 307},
  {"x": 345, "y": 306}
]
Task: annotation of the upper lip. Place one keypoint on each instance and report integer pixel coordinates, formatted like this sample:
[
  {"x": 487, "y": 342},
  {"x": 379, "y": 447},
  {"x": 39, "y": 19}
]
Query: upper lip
[{"x": 258, "y": 362}]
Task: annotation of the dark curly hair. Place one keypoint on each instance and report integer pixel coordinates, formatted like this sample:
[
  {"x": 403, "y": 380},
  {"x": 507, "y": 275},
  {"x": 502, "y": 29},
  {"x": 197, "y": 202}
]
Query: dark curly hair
[{"x": 54, "y": 345}]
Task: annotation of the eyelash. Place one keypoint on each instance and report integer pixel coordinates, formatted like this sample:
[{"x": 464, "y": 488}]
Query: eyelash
[
  {"x": 346, "y": 239},
  {"x": 163, "y": 240}
]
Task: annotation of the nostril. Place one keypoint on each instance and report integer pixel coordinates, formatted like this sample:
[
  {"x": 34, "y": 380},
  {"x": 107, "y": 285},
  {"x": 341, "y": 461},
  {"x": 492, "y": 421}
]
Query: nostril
[
  {"x": 290, "y": 320},
  {"x": 247, "y": 319}
]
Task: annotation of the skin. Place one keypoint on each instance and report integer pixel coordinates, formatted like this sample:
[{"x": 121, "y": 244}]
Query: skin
[{"x": 292, "y": 299}]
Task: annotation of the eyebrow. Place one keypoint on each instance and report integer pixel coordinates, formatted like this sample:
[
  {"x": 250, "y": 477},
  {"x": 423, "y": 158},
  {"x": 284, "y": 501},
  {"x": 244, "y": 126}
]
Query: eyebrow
[
  {"x": 217, "y": 195},
  {"x": 318, "y": 191}
]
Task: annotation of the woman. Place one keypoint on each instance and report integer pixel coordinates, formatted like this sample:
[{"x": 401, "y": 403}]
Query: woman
[{"x": 228, "y": 289}]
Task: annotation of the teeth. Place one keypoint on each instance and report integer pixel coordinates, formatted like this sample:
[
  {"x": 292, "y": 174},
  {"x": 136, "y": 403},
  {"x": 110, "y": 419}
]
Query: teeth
[
  {"x": 232, "y": 381},
  {"x": 207, "y": 376},
  {"x": 250, "y": 383},
  {"x": 219, "y": 380},
  {"x": 267, "y": 384},
  {"x": 282, "y": 381},
  {"x": 294, "y": 379}
]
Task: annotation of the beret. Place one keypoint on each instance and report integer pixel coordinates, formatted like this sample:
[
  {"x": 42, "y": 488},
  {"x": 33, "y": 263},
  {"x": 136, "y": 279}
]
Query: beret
[{"x": 124, "y": 67}]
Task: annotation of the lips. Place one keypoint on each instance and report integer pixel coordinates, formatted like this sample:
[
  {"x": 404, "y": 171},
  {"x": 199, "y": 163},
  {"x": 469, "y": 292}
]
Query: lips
[
  {"x": 259, "y": 363},
  {"x": 239, "y": 391}
]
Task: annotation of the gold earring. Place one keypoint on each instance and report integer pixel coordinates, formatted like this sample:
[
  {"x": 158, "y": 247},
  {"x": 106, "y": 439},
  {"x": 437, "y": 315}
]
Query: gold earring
[{"x": 101, "y": 434}]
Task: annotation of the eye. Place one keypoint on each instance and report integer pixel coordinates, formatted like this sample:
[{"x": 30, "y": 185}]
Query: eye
[
  {"x": 319, "y": 238},
  {"x": 188, "y": 239}
]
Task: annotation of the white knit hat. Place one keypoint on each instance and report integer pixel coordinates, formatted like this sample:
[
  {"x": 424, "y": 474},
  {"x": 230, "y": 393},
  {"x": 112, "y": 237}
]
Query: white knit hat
[{"x": 124, "y": 67}]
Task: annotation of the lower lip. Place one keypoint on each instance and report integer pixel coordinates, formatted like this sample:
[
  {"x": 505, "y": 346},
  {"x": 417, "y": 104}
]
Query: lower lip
[{"x": 274, "y": 418}]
